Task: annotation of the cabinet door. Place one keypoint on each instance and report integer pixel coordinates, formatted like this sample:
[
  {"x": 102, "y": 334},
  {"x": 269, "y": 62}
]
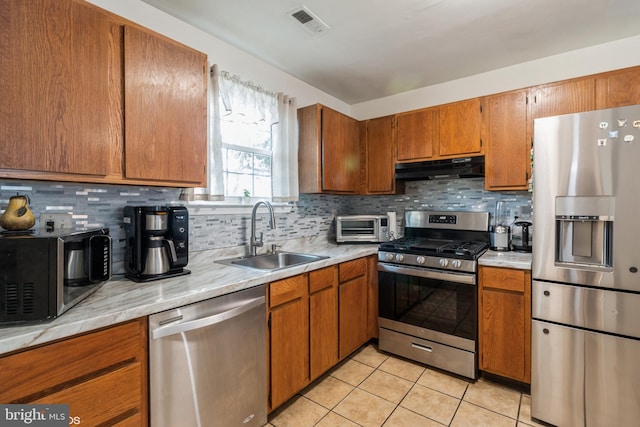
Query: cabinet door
[
  {"x": 459, "y": 128},
  {"x": 102, "y": 375},
  {"x": 165, "y": 109},
  {"x": 60, "y": 105},
  {"x": 289, "y": 338},
  {"x": 372, "y": 296},
  {"x": 380, "y": 156},
  {"x": 618, "y": 88},
  {"x": 417, "y": 134},
  {"x": 340, "y": 152},
  {"x": 573, "y": 96},
  {"x": 505, "y": 322},
  {"x": 503, "y": 333},
  {"x": 323, "y": 315},
  {"x": 352, "y": 306},
  {"x": 508, "y": 164}
]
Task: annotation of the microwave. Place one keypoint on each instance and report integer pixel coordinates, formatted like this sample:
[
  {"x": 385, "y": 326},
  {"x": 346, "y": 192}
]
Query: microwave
[
  {"x": 42, "y": 275},
  {"x": 363, "y": 229}
]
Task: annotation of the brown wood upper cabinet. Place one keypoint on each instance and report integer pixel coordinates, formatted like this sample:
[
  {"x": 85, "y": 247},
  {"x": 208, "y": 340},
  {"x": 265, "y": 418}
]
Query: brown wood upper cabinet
[
  {"x": 508, "y": 148},
  {"x": 566, "y": 97},
  {"x": 379, "y": 155},
  {"x": 459, "y": 128},
  {"x": 329, "y": 151},
  {"x": 618, "y": 88},
  {"x": 445, "y": 131},
  {"x": 417, "y": 134},
  {"x": 88, "y": 96},
  {"x": 60, "y": 105},
  {"x": 165, "y": 109}
]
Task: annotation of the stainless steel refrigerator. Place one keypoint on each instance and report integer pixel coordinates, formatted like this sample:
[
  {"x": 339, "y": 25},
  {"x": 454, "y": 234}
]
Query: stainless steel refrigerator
[{"x": 586, "y": 262}]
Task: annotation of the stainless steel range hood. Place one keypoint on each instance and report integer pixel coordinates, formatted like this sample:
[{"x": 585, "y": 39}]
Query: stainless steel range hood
[{"x": 466, "y": 167}]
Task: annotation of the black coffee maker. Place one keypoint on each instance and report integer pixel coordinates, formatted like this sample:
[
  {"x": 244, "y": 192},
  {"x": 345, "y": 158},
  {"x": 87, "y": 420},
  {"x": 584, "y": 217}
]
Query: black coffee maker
[{"x": 157, "y": 242}]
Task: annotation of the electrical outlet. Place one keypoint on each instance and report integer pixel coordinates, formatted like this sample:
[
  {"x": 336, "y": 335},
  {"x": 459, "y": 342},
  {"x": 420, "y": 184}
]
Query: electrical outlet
[{"x": 50, "y": 222}]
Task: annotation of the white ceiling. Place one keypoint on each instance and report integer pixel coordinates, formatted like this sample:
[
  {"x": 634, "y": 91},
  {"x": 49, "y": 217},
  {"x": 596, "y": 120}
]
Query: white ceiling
[{"x": 376, "y": 48}]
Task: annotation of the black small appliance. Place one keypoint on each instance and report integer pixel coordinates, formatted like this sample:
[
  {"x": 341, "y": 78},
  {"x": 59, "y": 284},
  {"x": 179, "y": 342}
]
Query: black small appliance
[
  {"x": 157, "y": 242},
  {"x": 44, "y": 274},
  {"x": 522, "y": 236}
]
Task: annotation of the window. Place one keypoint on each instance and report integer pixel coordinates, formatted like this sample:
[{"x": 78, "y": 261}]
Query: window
[
  {"x": 253, "y": 143},
  {"x": 246, "y": 128}
]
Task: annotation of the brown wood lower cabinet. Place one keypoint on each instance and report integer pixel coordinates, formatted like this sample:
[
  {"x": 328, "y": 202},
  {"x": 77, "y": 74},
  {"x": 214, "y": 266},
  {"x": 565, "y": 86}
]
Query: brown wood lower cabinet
[
  {"x": 288, "y": 332},
  {"x": 352, "y": 296},
  {"x": 323, "y": 316},
  {"x": 505, "y": 322},
  {"x": 101, "y": 375},
  {"x": 315, "y": 320}
]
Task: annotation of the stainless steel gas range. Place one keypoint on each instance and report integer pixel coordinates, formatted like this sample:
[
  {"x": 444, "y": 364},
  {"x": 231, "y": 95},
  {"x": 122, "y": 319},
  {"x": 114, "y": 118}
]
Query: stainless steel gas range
[{"x": 428, "y": 295}]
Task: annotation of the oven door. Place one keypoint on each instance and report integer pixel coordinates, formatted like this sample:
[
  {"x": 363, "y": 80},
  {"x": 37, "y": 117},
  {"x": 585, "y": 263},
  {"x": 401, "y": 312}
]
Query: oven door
[{"x": 432, "y": 304}]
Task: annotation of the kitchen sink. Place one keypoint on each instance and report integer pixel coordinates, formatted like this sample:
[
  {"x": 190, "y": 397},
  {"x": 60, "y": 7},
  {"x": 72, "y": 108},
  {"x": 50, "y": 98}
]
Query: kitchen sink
[{"x": 272, "y": 261}]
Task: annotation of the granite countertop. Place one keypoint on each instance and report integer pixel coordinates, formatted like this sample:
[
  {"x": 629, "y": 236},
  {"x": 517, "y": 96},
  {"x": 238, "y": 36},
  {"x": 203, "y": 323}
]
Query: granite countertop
[
  {"x": 121, "y": 299},
  {"x": 517, "y": 260}
]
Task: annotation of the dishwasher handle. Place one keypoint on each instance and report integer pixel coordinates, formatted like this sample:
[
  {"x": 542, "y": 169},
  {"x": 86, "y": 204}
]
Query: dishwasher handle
[{"x": 178, "y": 328}]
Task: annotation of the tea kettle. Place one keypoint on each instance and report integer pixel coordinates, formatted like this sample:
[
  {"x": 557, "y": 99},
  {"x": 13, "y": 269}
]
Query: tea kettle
[{"x": 18, "y": 216}]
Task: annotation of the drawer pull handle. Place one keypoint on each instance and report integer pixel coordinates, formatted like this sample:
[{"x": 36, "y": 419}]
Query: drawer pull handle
[
  {"x": 545, "y": 331},
  {"x": 422, "y": 347},
  {"x": 546, "y": 293}
]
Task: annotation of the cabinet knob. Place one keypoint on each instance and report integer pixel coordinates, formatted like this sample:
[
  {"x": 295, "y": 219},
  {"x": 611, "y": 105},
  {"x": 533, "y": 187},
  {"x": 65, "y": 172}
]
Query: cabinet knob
[
  {"x": 546, "y": 293},
  {"x": 545, "y": 331}
]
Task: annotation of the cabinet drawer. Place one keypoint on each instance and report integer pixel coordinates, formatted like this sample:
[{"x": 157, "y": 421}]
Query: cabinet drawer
[
  {"x": 33, "y": 371},
  {"x": 352, "y": 269},
  {"x": 286, "y": 290},
  {"x": 323, "y": 278},
  {"x": 503, "y": 278},
  {"x": 102, "y": 398}
]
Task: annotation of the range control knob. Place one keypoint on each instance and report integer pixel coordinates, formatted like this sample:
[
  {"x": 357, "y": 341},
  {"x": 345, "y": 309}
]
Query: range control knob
[
  {"x": 443, "y": 262},
  {"x": 456, "y": 263},
  {"x": 421, "y": 260},
  {"x": 389, "y": 257},
  {"x": 399, "y": 257}
]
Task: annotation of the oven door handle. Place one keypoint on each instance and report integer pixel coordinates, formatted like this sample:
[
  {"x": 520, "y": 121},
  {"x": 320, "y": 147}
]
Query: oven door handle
[{"x": 467, "y": 279}]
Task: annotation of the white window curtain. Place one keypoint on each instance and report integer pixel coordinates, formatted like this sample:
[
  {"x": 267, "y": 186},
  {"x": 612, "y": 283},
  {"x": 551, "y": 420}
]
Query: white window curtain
[
  {"x": 227, "y": 95},
  {"x": 285, "y": 152}
]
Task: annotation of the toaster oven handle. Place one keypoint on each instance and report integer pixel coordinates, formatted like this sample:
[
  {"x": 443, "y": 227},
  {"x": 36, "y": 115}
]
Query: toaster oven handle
[
  {"x": 99, "y": 258},
  {"x": 467, "y": 279}
]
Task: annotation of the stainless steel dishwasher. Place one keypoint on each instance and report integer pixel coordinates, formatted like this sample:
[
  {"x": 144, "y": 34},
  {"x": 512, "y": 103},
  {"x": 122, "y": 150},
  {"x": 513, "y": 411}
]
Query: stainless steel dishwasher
[{"x": 207, "y": 362}]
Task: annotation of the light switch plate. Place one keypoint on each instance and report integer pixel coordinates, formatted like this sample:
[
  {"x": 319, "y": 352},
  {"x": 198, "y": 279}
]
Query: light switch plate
[{"x": 51, "y": 222}]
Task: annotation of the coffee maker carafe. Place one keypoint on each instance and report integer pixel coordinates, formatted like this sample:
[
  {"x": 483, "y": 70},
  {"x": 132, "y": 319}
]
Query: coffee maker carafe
[{"x": 157, "y": 242}]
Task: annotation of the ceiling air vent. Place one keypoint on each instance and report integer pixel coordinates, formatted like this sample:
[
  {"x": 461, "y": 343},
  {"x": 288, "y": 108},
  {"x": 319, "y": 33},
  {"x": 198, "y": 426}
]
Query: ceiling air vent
[{"x": 309, "y": 20}]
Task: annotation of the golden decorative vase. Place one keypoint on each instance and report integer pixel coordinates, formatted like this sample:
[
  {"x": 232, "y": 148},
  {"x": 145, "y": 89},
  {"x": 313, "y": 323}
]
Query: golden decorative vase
[{"x": 18, "y": 216}]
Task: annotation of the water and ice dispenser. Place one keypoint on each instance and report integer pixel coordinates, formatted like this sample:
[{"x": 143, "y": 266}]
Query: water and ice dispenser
[{"x": 584, "y": 232}]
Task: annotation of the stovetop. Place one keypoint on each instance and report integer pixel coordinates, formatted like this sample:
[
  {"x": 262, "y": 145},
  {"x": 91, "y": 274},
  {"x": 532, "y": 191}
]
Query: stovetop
[{"x": 436, "y": 247}]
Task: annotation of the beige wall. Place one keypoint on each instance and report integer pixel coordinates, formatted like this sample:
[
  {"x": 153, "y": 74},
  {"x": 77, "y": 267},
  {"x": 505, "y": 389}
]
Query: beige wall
[
  {"x": 620, "y": 54},
  {"x": 596, "y": 59}
]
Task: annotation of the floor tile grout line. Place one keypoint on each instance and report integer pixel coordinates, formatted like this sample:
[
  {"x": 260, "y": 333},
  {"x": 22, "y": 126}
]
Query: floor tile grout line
[
  {"x": 413, "y": 383},
  {"x": 491, "y": 410}
]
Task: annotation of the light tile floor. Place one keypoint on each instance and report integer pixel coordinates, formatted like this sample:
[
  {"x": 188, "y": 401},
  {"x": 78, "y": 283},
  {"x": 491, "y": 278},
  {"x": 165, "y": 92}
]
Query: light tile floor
[{"x": 372, "y": 388}]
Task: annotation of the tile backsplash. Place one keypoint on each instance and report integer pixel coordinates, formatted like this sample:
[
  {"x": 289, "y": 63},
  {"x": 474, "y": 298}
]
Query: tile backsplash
[{"x": 94, "y": 205}]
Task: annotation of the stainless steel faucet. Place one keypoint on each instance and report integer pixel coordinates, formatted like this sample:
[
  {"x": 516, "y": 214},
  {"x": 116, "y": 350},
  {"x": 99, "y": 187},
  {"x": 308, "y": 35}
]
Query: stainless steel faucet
[{"x": 254, "y": 243}]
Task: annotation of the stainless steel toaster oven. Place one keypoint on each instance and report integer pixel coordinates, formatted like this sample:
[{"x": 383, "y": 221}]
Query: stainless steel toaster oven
[{"x": 362, "y": 229}]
